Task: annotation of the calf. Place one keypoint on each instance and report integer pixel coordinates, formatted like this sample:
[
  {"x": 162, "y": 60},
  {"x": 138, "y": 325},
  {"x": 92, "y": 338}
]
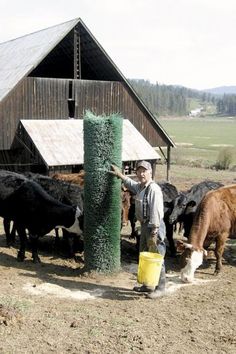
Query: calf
[
  {"x": 128, "y": 210},
  {"x": 215, "y": 220},
  {"x": 30, "y": 207},
  {"x": 125, "y": 206}
]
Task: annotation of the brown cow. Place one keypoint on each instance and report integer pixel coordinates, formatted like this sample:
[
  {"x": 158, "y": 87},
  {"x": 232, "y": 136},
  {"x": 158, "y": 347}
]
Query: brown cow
[
  {"x": 76, "y": 178},
  {"x": 215, "y": 220},
  {"x": 128, "y": 210}
]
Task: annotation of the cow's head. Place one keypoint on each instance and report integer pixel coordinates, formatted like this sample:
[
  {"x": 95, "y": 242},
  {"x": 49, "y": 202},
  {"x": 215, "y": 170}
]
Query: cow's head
[
  {"x": 190, "y": 260},
  {"x": 77, "y": 225},
  {"x": 190, "y": 207},
  {"x": 180, "y": 203}
]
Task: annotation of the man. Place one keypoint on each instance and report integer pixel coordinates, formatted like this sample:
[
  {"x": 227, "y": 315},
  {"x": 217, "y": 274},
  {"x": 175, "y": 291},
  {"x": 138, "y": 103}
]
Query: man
[{"x": 149, "y": 211}]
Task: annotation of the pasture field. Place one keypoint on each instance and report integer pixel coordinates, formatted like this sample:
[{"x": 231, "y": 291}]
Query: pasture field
[
  {"x": 185, "y": 177},
  {"x": 200, "y": 140}
]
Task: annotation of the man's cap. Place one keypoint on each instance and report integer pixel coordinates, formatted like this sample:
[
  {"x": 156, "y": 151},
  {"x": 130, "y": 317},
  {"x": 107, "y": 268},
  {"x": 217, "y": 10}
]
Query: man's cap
[{"x": 144, "y": 164}]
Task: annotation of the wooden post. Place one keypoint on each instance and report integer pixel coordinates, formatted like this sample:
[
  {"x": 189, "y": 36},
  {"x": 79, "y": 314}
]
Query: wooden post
[{"x": 168, "y": 164}]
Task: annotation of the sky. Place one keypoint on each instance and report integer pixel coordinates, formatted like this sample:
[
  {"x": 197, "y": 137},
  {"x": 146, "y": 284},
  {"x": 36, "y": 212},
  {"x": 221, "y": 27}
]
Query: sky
[{"x": 174, "y": 42}]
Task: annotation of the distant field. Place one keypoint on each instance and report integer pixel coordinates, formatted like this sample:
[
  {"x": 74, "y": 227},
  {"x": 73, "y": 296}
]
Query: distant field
[{"x": 201, "y": 139}]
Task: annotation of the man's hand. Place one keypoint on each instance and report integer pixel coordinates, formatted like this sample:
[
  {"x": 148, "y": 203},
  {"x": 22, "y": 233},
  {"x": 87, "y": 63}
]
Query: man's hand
[
  {"x": 116, "y": 171},
  {"x": 151, "y": 244},
  {"x": 154, "y": 231}
]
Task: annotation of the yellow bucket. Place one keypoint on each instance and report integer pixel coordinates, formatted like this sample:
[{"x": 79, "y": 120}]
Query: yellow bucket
[{"x": 149, "y": 268}]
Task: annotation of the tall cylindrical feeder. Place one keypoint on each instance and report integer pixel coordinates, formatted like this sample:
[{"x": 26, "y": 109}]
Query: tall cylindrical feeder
[{"x": 102, "y": 192}]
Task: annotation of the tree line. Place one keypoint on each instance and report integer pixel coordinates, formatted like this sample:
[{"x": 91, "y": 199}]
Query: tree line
[
  {"x": 227, "y": 105},
  {"x": 169, "y": 100}
]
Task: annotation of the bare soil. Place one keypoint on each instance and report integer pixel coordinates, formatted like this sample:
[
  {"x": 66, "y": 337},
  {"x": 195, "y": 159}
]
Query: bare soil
[{"x": 53, "y": 307}]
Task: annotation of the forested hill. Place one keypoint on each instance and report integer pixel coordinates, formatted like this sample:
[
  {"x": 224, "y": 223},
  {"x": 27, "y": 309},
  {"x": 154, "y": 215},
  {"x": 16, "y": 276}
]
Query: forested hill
[
  {"x": 222, "y": 90},
  {"x": 168, "y": 100}
]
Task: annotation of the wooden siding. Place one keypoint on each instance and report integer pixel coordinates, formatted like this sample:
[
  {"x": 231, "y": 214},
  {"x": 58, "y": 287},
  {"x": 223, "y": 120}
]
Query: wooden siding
[
  {"x": 43, "y": 98},
  {"x": 112, "y": 97}
]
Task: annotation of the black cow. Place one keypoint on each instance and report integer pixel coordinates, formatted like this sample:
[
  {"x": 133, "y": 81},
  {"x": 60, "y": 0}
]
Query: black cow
[
  {"x": 170, "y": 192},
  {"x": 30, "y": 207},
  {"x": 67, "y": 193},
  {"x": 186, "y": 203}
]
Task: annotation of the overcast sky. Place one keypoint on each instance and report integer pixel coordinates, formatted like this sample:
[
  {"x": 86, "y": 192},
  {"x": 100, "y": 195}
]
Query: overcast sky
[{"x": 179, "y": 42}]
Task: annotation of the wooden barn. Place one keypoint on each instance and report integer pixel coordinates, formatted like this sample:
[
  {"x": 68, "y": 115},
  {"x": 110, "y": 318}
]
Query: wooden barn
[{"x": 58, "y": 73}]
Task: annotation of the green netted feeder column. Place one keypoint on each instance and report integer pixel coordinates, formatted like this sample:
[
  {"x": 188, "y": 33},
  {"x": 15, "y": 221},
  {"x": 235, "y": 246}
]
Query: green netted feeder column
[{"x": 102, "y": 192}]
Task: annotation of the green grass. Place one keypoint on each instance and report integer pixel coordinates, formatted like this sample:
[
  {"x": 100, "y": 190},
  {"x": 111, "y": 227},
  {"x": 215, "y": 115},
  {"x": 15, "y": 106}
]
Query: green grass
[
  {"x": 200, "y": 140},
  {"x": 186, "y": 174}
]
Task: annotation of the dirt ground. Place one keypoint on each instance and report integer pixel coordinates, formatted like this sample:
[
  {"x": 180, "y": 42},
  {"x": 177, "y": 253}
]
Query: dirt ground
[{"x": 52, "y": 307}]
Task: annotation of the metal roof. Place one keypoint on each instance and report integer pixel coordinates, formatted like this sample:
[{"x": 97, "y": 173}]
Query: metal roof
[
  {"x": 20, "y": 56},
  {"x": 60, "y": 142}
]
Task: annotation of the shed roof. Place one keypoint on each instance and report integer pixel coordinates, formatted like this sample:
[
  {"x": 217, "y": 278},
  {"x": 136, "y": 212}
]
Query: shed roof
[{"x": 60, "y": 142}]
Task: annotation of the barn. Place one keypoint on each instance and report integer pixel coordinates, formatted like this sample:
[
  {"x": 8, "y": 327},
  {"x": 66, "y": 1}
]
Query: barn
[{"x": 58, "y": 73}]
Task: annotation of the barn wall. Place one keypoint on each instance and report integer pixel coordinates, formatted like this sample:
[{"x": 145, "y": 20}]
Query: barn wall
[
  {"x": 106, "y": 97},
  {"x": 33, "y": 98},
  {"x": 43, "y": 98}
]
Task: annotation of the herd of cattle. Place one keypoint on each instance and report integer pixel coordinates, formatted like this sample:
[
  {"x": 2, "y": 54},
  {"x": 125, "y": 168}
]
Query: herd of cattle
[{"x": 38, "y": 204}]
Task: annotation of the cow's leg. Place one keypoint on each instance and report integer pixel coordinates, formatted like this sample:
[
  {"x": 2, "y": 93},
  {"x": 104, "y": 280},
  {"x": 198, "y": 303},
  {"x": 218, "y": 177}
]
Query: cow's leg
[
  {"x": 13, "y": 233},
  {"x": 34, "y": 246},
  {"x": 187, "y": 228},
  {"x": 7, "y": 225},
  {"x": 57, "y": 239},
  {"x": 23, "y": 239},
  {"x": 133, "y": 232},
  {"x": 169, "y": 236},
  {"x": 10, "y": 234},
  {"x": 132, "y": 219},
  {"x": 69, "y": 239},
  {"x": 220, "y": 245}
]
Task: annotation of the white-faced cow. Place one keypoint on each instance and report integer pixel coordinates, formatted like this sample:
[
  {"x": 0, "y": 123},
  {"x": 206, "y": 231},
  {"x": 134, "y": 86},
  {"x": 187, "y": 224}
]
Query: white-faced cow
[
  {"x": 30, "y": 207},
  {"x": 186, "y": 203},
  {"x": 215, "y": 220}
]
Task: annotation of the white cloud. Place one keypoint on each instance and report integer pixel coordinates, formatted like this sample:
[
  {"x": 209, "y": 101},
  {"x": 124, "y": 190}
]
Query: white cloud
[{"x": 170, "y": 41}]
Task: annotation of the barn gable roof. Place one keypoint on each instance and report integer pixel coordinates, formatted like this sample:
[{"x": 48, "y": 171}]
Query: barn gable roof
[
  {"x": 60, "y": 142},
  {"x": 50, "y": 52},
  {"x": 18, "y": 57}
]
